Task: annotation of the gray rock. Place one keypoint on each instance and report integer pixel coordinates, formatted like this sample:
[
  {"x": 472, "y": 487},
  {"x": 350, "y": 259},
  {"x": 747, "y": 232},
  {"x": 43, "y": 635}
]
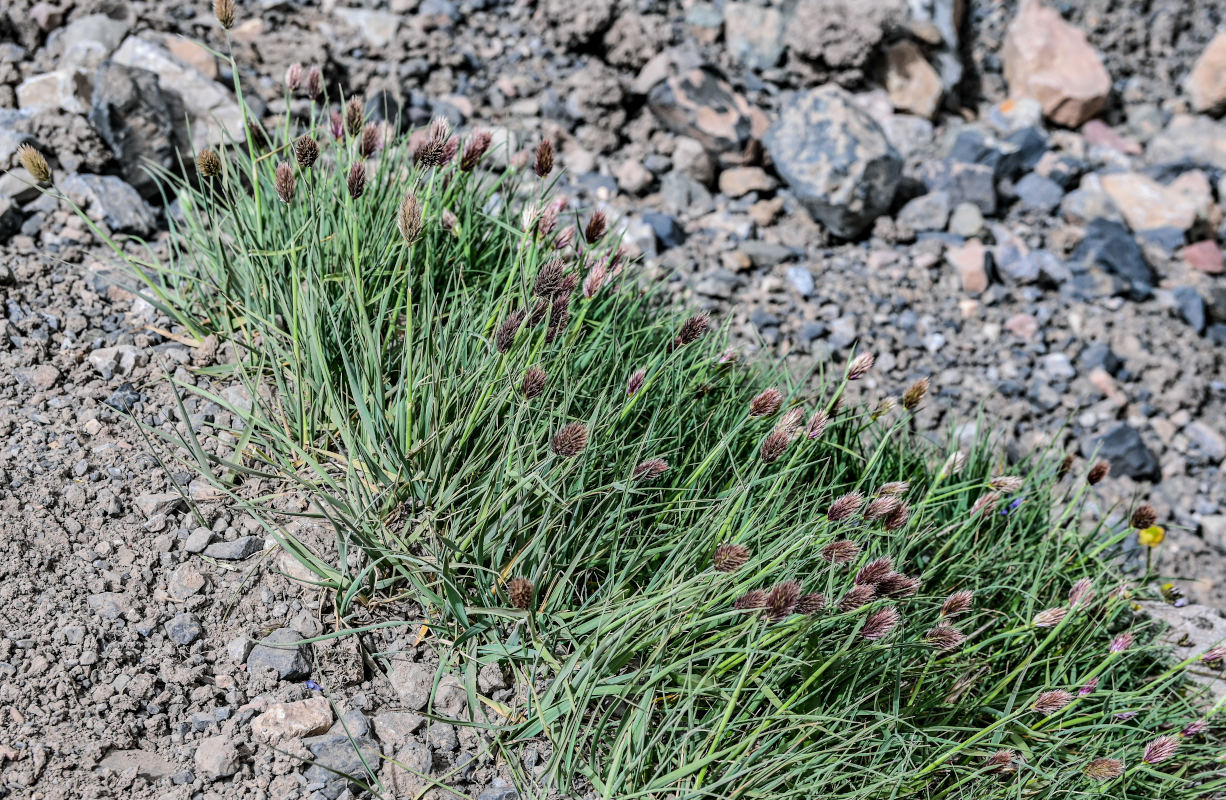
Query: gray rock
[
  {"x": 764, "y": 255},
  {"x": 1099, "y": 355},
  {"x": 197, "y": 540},
  {"x": 110, "y": 200},
  {"x": 10, "y": 218},
  {"x": 1191, "y": 307},
  {"x": 701, "y": 105},
  {"x": 835, "y": 158},
  {"x": 964, "y": 183},
  {"x": 87, "y": 40},
  {"x": 133, "y": 117},
  {"x": 216, "y": 757},
  {"x": 499, "y": 790},
  {"x": 802, "y": 280},
  {"x": 1124, "y": 449},
  {"x": 974, "y": 145},
  {"x": 161, "y": 503},
  {"x": 753, "y": 34},
  {"x": 1036, "y": 193},
  {"x": 928, "y": 212},
  {"x": 409, "y": 775},
  {"x": 282, "y": 653},
  {"x": 1210, "y": 443},
  {"x": 358, "y": 757},
  {"x": 966, "y": 221},
  {"x": 682, "y": 195},
  {"x": 1109, "y": 246},
  {"x": 665, "y": 227},
  {"x": 183, "y": 628},
  {"x": 235, "y": 550},
  {"x": 108, "y": 605}
]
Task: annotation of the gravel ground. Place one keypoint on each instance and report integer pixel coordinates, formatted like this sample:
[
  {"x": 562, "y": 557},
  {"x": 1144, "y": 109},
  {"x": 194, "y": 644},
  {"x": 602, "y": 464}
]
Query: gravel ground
[{"x": 127, "y": 667}]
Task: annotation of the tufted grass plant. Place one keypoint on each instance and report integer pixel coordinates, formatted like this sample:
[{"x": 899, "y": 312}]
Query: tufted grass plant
[{"x": 676, "y": 554}]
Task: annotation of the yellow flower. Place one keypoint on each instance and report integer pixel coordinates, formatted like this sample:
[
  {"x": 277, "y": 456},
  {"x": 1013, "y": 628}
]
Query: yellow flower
[{"x": 1151, "y": 536}]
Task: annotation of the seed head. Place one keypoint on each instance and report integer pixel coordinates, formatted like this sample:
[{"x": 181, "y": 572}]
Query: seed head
[
  {"x": 897, "y": 586},
  {"x": 729, "y": 557},
  {"x": 559, "y": 315},
  {"x": 1144, "y": 516},
  {"x": 1104, "y": 769},
  {"x": 544, "y": 158},
  {"x": 1122, "y": 642},
  {"x": 533, "y": 383},
  {"x": 1002, "y": 761},
  {"x": 567, "y": 287},
  {"x": 810, "y": 603},
  {"x": 1214, "y": 655},
  {"x": 1066, "y": 466},
  {"x": 781, "y": 601},
  {"x": 439, "y": 147},
  {"x": 520, "y": 590},
  {"x": 539, "y": 310},
  {"x": 693, "y": 328},
  {"x": 914, "y": 395},
  {"x": 570, "y": 440},
  {"x": 293, "y": 77},
  {"x": 36, "y": 164},
  {"x": 883, "y": 408},
  {"x": 985, "y": 504},
  {"x": 792, "y": 420},
  {"x": 636, "y": 382},
  {"x": 766, "y": 404},
  {"x": 893, "y": 489},
  {"x": 474, "y": 150},
  {"x": 898, "y": 517},
  {"x": 549, "y": 279},
  {"x": 953, "y": 465},
  {"x": 224, "y": 11},
  {"x": 208, "y": 163},
  {"x": 843, "y": 507},
  {"x": 371, "y": 141},
  {"x": 1051, "y": 702},
  {"x": 1081, "y": 593},
  {"x": 285, "y": 182},
  {"x": 306, "y": 150},
  {"x": 840, "y": 552},
  {"x": 857, "y": 596},
  {"x": 314, "y": 86},
  {"x": 957, "y": 603},
  {"x": 650, "y": 469},
  {"x": 354, "y": 116},
  {"x": 945, "y": 637},
  {"x": 774, "y": 445},
  {"x": 409, "y": 219},
  {"x": 594, "y": 280},
  {"x": 872, "y": 572},
  {"x": 449, "y": 220},
  {"x": 1088, "y": 687},
  {"x": 357, "y": 180},
  {"x": 729, "y": 356},
  {"x": 1160, "y": 749},
  {"x": 259, "y": 138},
  {"x": 1006, "y": 484},
  {"x": 879, "y": 623},
  {"x": 817, "y": 424},
  {"x": 1098, "y": 472},
  {"x": 336, "y": 123},
  {"x": 1050, "y": 618},
  {"x": 750, "y": 600},
  {"x": 1194, "y": 728},
  {"x": 881, "y": 507},
  {"x": 596, "y": 227},
  {"x": 860, "y": 366},
  {"x": 507, "y": 330},
  {"x": 565, "y": 239}
]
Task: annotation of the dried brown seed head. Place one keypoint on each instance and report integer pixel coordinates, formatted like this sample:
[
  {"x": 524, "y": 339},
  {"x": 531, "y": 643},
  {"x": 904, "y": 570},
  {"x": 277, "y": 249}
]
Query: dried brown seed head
[
  {"x": 693, "y": 328},
  {"x": 36, "y": 164},
  {"x": 224, "y": 10},
  {"x": 544, "y": 158},
  {"x": 409, "y": 219},
  {"x": 449, "y": 220},
  {"x": 1081, "y": 593},
  {"x": 564, "y": 239},
  {"x": 520, "y": 590},
  {"x": 872, "y": 572},
  {"x": 1006, "y": 484},
  {"x": 549, "y": 279},
  {"x": 285, "y": 182},
  {"x": 1066, "y": 465},
  {"x": 766, "y": 404},
  {"x": 1050, "y": 618},
  {"x": 897, "y": 586},
  {"x": 729, "y": 557},
  {"x": 817, "y": 424},
  {"x": 559, "y": 316},
  {"x": 857, "y": 596},
  {"x": 314, "y": 86},
  {"x": 883, "y": 408},
  {"x": 567, "y": 287},
  {"x": 336, "y": 123},
  {"x": 914, "y": 396},
  {"x": 1002, "y": 761},
  {"x": 1214, "y": 655},
  {"x": 356, "y": 183},
  {"x": 594, "y": 280},
  {"x": 898, "y": 517},
  {"x": 792, "y": 419},
  {"x": 371, "y": 140},
  {"x": 879, "y": 623},
  {"x": 208, "y": 163},
  {"x": 505, "y": 336},
  {"x": 810, "y": 603},
  {"x": 1144, "y": 516},
  {"x": 570, "y": 440},
  {"x": 1104, "y": 769},
  {"x": 844, "y": 506},
  {"x": 1122, "y": 642},
  {"x": 539, "y": 311},
  {"x": 474, "y": 150},
  {"x": 781, "y": 602},
  {"x": 751, "y": 600},
  {"x": 293, "y": 77},
  {"x": 596, "y": 227},
  {"x": 840, "y": 552},
  {"x": 306, "y": 150},
  {"x": 533, "y": 383},
  {"x": 881, "y": 507},
  {"x": 1051, "y": 702},
  {"x": 957, "y": 603},
  {"x": 945, "y": 637},
  {"x": 439, "y": 146},
  {"x": 650, "y": 469},
  {"x": 1097, "y": 472},
  {"x": 893, "y": 489},
  {"x": 354, "y": 117},
  {"x": 985, "y": 504},
  {"x": 860, "y": 366},
  {"x": 774, "y": 445}
]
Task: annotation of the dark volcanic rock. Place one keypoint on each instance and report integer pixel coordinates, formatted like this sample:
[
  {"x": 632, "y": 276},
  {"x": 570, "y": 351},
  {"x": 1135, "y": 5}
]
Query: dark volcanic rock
[
  {"x": 134, "y": 118},
  {"x": 1109, "y": 246},
  {"x": 701, "y": 105},
  {"x": 283, "y": 653},
  {"x": 835, "y": 158},
  {"x": 1128, "y": 455}
]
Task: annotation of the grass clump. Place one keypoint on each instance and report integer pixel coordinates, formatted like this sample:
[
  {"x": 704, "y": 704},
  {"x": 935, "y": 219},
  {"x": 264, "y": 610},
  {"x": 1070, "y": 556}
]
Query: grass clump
[{"x": 708, "y": 578}]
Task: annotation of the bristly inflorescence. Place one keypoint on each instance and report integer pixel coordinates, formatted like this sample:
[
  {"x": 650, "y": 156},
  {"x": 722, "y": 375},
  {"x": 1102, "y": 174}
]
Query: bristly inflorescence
[
  {"x": 520, "y": 591},
  {"x": 306, "y": 151},
  {"x": 650, "y": 469},
  {"x": 354, "y": 117},
  {"x": 570, "y": 440},
  {"x": 285, "y": 182},
  {"x": 475, "y": 150},
  {"x": 409, "y": 219},
  {"x": 766, "y": 403},
  {"x": 208, "y": 163},
  {"x": 533, "y": 383},
  {"x": 356, "y": 182},
  {"x": 729, "y": 557},
  {"x": 840, "y": 552},
  {"x": 543, "y": 165},
  {"x": 957, "y": 603},
  {"x": 781, "y": 601},
  {"x": 843, "y": 507}
]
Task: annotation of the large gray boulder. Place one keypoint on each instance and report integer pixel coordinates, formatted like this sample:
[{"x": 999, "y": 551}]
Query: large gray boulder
[{"x": 835, "y": 158}]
